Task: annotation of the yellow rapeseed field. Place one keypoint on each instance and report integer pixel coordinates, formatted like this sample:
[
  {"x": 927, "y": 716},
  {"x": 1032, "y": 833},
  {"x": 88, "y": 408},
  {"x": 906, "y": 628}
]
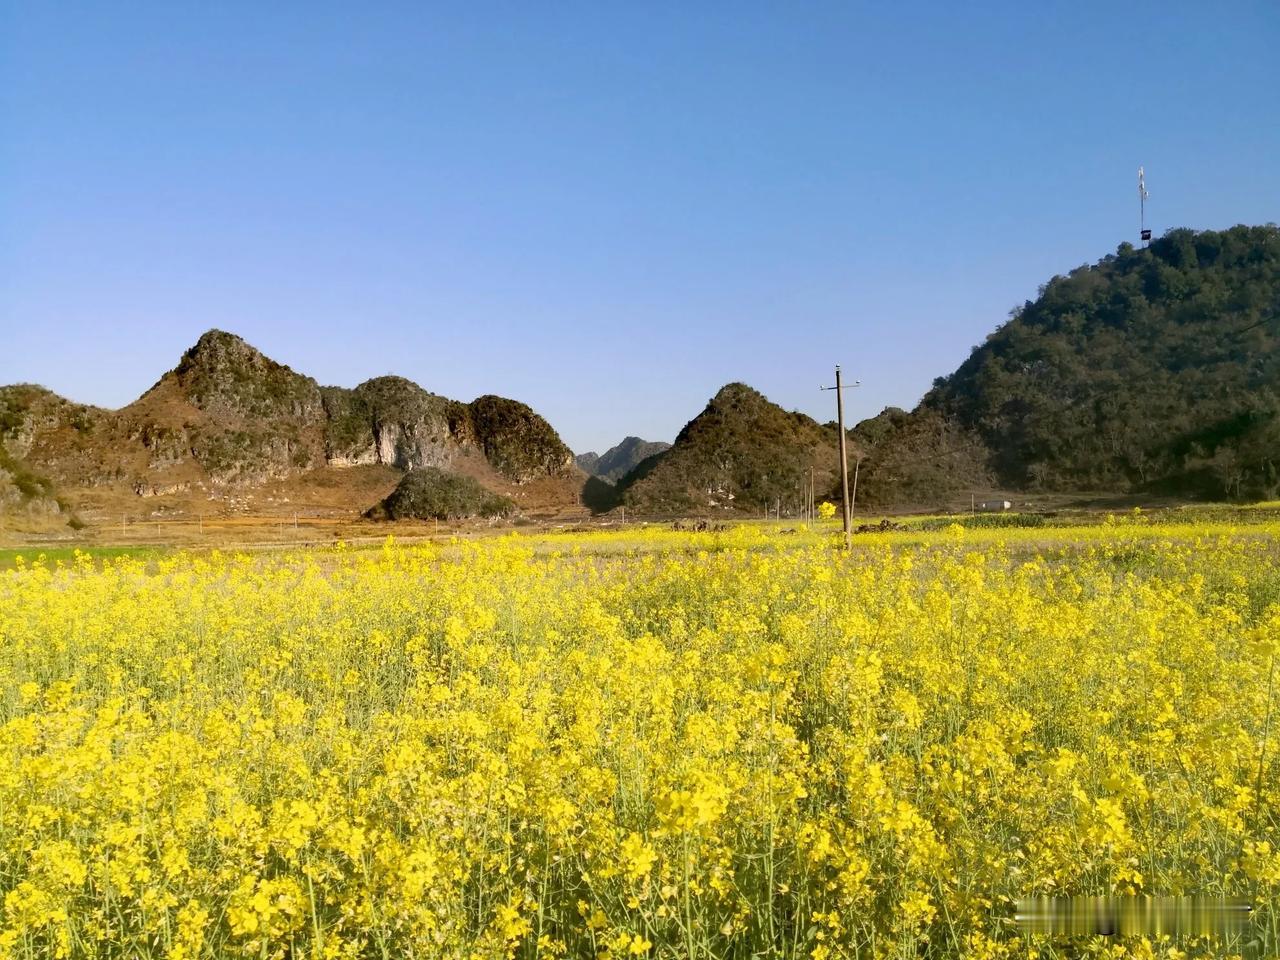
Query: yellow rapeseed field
[{"x": 739, "y": 744}]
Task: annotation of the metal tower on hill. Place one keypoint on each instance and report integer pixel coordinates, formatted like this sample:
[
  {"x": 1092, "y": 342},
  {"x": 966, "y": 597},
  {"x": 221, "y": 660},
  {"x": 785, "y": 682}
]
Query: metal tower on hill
[{"x": 1143, "y": 232}]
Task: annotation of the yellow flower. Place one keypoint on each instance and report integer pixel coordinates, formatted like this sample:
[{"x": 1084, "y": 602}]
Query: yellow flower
[
  {"x": 637, "y": 856},
  {"x": 575, "y": 745}
]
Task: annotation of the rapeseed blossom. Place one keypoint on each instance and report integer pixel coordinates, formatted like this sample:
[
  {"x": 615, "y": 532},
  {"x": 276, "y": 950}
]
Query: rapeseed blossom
[{"x": 695, "y": 746}]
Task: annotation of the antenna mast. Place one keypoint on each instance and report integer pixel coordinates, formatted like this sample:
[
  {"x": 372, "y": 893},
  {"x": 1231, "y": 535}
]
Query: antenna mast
[{"x": 1143, "y": 232}]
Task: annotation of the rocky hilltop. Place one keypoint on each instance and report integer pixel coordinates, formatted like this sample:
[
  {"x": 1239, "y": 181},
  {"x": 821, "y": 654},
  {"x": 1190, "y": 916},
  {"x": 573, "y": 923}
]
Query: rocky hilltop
[
  {"x": 616, "y": 462},
  {"x": 228, "y": 419},
  {"x": 745, "y": 453},
  {"x": 742, "y": 452}
]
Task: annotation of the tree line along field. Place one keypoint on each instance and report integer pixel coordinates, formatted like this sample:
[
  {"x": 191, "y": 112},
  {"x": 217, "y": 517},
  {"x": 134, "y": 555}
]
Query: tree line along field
[{"x": 743, "y": 743}]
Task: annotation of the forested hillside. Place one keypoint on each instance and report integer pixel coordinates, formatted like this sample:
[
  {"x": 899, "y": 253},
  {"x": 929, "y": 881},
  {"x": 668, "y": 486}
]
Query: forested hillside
[{"x": 1154, "y": 369}]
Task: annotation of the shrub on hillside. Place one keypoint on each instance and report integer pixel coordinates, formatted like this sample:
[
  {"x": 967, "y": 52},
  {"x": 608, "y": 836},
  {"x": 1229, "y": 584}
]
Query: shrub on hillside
[{"x": 430, "y": 493}]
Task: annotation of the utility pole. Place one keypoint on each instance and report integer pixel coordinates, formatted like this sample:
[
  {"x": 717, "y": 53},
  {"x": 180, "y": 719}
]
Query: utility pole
[{"x": 844, "y": 455}]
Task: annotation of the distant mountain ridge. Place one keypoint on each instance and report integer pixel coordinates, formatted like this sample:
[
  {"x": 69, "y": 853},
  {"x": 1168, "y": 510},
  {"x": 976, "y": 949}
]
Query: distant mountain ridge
[
  {"x": 619, "y": 460},
  {"x": 1153, "y": 370},
  {"x": 227, "y": 417}
]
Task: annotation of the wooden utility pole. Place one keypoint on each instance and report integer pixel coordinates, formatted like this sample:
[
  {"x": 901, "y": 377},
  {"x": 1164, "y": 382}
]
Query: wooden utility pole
[{"x": 844, "y": 456}]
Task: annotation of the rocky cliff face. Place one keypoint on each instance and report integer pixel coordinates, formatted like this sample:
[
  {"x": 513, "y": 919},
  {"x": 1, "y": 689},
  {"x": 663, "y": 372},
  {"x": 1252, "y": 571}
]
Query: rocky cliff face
[
  {"x": 388, "y": 420},
  {"x": 393, "y": 421}
]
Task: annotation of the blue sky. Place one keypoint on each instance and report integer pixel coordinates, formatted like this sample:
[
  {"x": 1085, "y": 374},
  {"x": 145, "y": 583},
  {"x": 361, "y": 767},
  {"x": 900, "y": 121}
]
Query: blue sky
[{"x": 605, "y": 210}]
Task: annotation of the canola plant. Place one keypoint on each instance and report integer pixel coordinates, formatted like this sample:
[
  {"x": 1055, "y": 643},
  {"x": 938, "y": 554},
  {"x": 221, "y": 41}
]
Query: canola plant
[{"x": 703, "y": 746}]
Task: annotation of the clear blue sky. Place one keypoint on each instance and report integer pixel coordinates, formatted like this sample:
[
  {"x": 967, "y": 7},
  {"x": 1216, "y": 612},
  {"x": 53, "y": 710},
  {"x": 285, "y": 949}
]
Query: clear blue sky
[{"x": 605, "y": 210}]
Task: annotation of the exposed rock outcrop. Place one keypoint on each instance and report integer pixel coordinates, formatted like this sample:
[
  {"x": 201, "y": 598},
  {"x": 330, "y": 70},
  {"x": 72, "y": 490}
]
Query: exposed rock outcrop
[{"x": 389, "y": 420}]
